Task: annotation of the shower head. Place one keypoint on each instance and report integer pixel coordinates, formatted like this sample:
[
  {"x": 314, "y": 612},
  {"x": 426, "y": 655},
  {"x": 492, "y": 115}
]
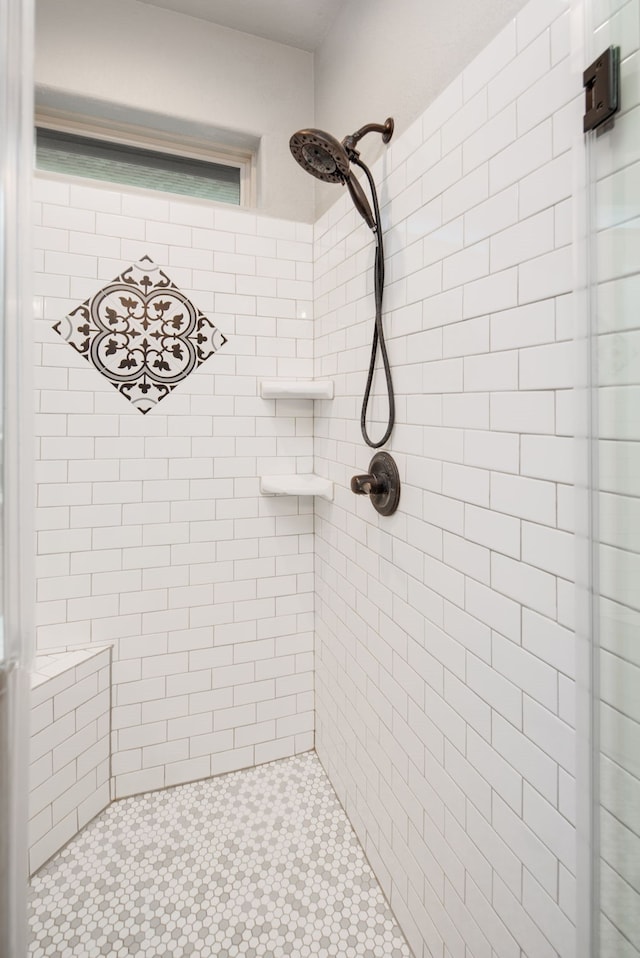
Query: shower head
[
  {"x": 326, "y": 158},
  {"x": 320, "y": 154}
]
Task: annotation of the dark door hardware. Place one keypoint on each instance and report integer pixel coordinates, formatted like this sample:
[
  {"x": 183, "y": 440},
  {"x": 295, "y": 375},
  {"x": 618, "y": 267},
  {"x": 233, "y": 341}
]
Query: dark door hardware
[
  {"x": 602, "y": 89},
  {"x": 381, "y": 484}
]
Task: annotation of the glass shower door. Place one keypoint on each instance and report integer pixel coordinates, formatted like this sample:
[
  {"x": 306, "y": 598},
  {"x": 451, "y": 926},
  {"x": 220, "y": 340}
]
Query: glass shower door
[
  {"x": 16, "y": 438},
  {"x": 615, "y": 190}
]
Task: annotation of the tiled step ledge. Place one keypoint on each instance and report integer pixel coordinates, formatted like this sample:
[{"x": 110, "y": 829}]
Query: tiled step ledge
[{"x": 69, "y": 774}]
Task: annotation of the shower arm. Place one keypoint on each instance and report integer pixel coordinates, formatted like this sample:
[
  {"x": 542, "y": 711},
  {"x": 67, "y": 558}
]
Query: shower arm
[
  {"x": 386, "y": 129},
  {"x": 357, "y": 194}
]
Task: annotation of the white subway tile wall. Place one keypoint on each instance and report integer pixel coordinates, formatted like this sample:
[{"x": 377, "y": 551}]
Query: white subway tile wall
[
  {"x": 445, "y": 656},
  {"x": 70, "y": 771},
  {"x": 152, "y": 533}
]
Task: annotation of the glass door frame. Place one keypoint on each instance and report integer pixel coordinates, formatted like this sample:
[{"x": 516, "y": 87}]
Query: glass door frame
[
  {"x": 16, "y": 528},
  {"x": 585, "y": 487},
  {"x": 587, "y": 43}
]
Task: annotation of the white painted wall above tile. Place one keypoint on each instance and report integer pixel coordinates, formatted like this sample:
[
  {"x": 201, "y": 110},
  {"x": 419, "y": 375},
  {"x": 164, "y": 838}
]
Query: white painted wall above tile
[{"x": 188, "y": 77}]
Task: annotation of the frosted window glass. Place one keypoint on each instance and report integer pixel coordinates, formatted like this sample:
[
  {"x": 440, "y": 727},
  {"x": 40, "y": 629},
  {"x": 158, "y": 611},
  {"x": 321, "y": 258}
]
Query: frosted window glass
[{"x": 116, "y": 163}]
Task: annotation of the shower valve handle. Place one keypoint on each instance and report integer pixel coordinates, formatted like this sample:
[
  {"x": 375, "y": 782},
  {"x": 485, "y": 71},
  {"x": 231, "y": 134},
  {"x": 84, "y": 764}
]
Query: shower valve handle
[
  {"x": 367, "y": 485},
  {"x": 381, "y": 484}
]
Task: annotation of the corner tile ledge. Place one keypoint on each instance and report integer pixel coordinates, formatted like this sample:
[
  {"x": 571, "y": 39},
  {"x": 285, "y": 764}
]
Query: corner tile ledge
[
  {"x": 301, "y": 485},
  {"x": 296, "y": 389}
]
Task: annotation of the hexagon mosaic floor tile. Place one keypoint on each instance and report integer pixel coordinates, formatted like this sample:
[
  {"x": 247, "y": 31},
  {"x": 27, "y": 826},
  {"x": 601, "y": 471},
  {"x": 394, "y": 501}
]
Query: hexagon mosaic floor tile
[{"x": 262, "y": 862}]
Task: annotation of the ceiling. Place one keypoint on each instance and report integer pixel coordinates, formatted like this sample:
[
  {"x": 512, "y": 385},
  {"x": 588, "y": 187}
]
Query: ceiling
[{"x": 298, "y": 23}]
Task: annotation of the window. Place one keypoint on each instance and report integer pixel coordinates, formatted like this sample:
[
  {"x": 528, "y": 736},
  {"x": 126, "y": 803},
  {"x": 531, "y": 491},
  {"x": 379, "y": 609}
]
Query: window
[{"x": 134, "y": 165}]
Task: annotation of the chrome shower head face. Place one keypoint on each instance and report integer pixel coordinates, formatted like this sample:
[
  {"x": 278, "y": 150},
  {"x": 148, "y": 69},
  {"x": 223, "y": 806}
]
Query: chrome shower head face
[{"x": 320, "y": 154}]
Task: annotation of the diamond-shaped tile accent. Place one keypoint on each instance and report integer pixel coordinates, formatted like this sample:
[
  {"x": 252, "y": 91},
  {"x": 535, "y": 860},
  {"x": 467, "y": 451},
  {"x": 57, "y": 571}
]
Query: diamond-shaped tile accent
[{"x": 142, "y": 333}]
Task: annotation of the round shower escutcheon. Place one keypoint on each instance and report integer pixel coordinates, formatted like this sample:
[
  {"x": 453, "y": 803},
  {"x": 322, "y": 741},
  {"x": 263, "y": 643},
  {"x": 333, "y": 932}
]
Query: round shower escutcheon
[{"x": 381, "y": 484}]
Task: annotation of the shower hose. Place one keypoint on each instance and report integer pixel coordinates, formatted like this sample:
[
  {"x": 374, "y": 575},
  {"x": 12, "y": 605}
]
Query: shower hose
[{"x": 378, "y": 332}]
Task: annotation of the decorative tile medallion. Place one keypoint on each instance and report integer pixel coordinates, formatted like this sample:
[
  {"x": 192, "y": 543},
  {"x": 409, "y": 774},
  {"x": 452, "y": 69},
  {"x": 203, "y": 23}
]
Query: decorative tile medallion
[{"x": 142, "y": 334}]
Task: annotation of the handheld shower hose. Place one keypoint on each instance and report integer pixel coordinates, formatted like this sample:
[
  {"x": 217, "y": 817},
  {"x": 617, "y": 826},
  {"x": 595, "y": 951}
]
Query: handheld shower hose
[
  {"x": 378, "y": 340},
  {"x": 326, "y": 158}
]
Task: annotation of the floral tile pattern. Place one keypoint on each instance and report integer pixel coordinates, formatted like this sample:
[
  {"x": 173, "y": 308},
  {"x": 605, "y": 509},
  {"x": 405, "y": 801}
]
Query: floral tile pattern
[
  {"x": 142, "y": 333},
  {"x": 261, "y": 862}
]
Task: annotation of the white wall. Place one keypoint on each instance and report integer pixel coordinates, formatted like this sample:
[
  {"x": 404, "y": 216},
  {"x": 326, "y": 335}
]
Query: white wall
[
  {"x": 135, "y": 61},
  {"x": 235, "y": 87},
  {"x": 445, "y": 649},
  {"x": 385, "y": 59},
  {"x": 152, "y": 534}
]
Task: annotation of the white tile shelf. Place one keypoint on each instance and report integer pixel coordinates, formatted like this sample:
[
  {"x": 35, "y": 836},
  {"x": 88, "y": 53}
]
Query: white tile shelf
[
  {"x": 305, "y": 484},
  {"x": 296, "y": 389}
]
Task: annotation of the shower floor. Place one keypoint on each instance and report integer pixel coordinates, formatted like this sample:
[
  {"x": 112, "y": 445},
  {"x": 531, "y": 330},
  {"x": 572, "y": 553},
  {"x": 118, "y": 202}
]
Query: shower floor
[{"x": 258, "y": 862}]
